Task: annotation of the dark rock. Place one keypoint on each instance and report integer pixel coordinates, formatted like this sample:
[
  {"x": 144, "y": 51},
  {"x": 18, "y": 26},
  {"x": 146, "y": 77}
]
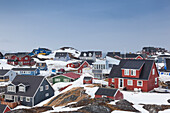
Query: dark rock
[
  {"x": 124, "y": 102},
  {"x": 70, "y": 98},
  {"x": 168, "y": 100}
]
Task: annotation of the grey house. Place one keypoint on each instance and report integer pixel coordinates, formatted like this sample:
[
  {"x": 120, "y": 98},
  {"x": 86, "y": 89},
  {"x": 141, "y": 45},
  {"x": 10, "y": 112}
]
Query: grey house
[
  {"x": 62, "y": 56},
  {"x": 28, "y": 90},
  {"x": 6, "y": 75}
]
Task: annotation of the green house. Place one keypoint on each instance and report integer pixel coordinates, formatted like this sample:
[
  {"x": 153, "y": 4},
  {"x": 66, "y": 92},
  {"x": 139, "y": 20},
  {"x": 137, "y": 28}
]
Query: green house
[{"x": 68, "y": 77}]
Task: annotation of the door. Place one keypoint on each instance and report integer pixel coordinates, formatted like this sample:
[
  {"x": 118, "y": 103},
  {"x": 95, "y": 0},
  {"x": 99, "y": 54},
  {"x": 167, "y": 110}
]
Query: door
[
  {"x": 15, "y": 98},
  {"x": 121, "y": 84}
]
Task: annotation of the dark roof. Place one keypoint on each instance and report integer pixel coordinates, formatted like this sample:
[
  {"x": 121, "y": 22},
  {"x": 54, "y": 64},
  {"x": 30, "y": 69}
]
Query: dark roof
[
  {"x": 19, "y": 54},
  {"x": 61, "y": 54},
  {"x": 96, "y": 52},
  {"x": 87, "y": 54},
  {"x": 145, "y": 72},
  {"x": 137, "y": 64},
  {"x": 24, "y": 69},
  {"x": 72, "y": 75},
  {"x": 3, "y": 72},
  {"x": 106, "y": 91},
  {"x": 168, "y": 64},
  {"x": 112, "y": 54},
  {"x": 32, "y": 82},
  {"x": 2, "y": 108},
  {"x": 89, "y": 61},
  {"x": 164, "y": 56}
]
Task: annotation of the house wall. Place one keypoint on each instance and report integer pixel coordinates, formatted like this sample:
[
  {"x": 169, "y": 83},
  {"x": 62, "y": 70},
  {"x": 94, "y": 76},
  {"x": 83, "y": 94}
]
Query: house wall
[
  {"x": 131, "y": 76},
  {"x": 118, "y": 95},
  {"x": 80, "y": 70},
  {"x": 139, "y": 57},
  {"x": 62, "y": 78},
  {"x": 151, "y": 82},
  {"x": 11, "y": 75},
  {"x": 41, "y": 95}
]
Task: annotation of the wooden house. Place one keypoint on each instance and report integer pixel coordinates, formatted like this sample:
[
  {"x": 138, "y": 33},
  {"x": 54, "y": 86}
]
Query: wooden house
[
  {"x": 166, "y": 69},
  {"x": 40, "y": 51},
  {"x": 6, "y": 75},
  {"x": 111, "y": 93},
  {"x": 62, "y": 56},
  {"x": 68, "y": 77},
  {"x": 87, "y": 80},
  {"x": 26, "y": 71},
  {"x": 28, "y": 90},
  {"x": 132, "y": 74},
  {"x": 84, "y": 64}
]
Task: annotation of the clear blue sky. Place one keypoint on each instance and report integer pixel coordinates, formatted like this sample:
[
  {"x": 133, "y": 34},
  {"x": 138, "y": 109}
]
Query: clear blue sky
[{"x": 108, "y": 25}]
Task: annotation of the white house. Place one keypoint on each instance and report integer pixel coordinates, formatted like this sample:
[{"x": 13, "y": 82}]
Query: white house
[{"x": 6, "y": 75}]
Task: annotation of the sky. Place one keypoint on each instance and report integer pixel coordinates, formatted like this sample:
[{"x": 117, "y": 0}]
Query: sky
[{"x": 107, "y": 25}]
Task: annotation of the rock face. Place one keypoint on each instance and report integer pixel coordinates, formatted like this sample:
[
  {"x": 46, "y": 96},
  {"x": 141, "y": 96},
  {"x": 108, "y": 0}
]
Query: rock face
[
  {"x": 32, "y": 110},
  {"x": 152, "y": 108}
]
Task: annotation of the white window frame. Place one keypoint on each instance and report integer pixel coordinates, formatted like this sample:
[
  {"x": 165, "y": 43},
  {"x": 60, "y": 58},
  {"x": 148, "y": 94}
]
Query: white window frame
[
  {"x": 138, "y": 83},
  {"x": 47, "y": 94},
  {"x": 27, "y": 99},
  {"x": 133, "y": 72},
  {"x": 11, "y": 89},
  {"x": 8, "y": 97},
  {"x": 66, "y": 80},
  {"x": 46, "y": 87},
  {"x": 41, "y": 88},
  {"x": 153, "y": 71},
  {"x": 57, "y": 80},
  {"x": 113, "y": 80},
  {"x": 126, "y": 71},
  {"x": 156, "y": 81},
  {"x": 21, "y": 88},
  {"x": 130, "y": 82},
  {"x": 21, "y": 98}
]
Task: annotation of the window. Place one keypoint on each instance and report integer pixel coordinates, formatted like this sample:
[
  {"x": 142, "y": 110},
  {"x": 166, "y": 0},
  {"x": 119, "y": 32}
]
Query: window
[
  {"x": 47, "y": 94},
  {"x": 153, "y": 72},
  {"x": 156, "y": 81},
  {"x": 21, "y": 98},
  {"x": 57, "y": 80},
  {"x": 46, "y": 87},
  {"x": 11, "y": 88},
  {"x": 130, "y": 82},
  {"x": 133, "y": 72},
  {"x": 113, "y": 80},
  {"x": 21, "y": 88},
  {"x": 8, "y": 97},
  {"x": 27, "y": 99},
  {"x": 66, "y": 80},
  {"x": 139, "y": 83},
  {"x": 126, "y": 72},
  {"x": 41, "y": 88},
  {"x": 85, "y": 66}
]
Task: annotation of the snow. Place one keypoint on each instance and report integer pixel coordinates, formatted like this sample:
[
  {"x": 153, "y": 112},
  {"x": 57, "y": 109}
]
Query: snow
[
  {"x": 4, "y": 65},
  {"x": 91, "y": 91},
  {"x": 117, "y": 111},
  {"x": 146, "y": 98},
  {"x": 5, "y": 83},
  {"x": 140, "y": 108},
  {"x": 100, "y": 82},
  {"x": 164, "y": 78},
  {"x": 165, "y": 111}
]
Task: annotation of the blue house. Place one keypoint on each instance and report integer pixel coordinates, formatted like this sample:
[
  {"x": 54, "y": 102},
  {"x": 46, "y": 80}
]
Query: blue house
[
  {"x": 62, "y": 56},
  {"x": 166, "y": 69},
  {"x": 26, "y": 71},
  {"x": 28, "y": 90},
  {"x": 42, "y": 51},
  {"x": 42, "y": 66}
]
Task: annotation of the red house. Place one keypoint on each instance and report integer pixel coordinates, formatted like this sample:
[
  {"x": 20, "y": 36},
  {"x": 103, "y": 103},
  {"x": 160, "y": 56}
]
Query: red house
[
  {"x": 86, "y": 63},
  {"x": 87, "y": 80},
  {"x": 74, "y": 65},
  {"x": 4, "y": 108},
  {"x": 131, "y": 74},
  {"x": 21, "y": 59},
  {"x": 114, "y": 94}
]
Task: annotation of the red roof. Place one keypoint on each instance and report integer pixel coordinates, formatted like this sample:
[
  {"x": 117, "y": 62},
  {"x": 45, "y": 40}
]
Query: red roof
[{"x": 72, "y": 75}]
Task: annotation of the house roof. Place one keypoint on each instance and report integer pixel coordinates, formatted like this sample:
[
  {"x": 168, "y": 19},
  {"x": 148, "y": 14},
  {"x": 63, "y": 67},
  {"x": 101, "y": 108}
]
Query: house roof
[
  {"x": 168, "y": 64},
  {"x": 106, "y": 91},
  {"x": 24, "y": 69},
  {"x": 136, "y": 64},
  {"x": 2, "y": 108},
  {"x": 145, "y": 72},
  {"x": 61, "y": 54},
  {"x": 72, "y": 75},
  {"x": 87, "y": 54},
  {"x": 33, "y": 82},
  {"x": 89, "y": 61},
  {"x": 3, "y": 72}
]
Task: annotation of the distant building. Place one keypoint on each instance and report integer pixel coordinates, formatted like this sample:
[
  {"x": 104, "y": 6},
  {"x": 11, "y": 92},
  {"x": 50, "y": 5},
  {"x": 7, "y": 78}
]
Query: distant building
[
  {"x": 62, "y": 56},
  {"x": 90, "y": 55},
  {"x": 26, "y": 71},
  {"x": 6, "y": 75},
  {"x": 1, "y": 55},
  {"x": 40, "y": 51},
  {"x": 152, "y": 50},
  {"x": 166, "y": 69},
  {"x": 19, "y": 59},
  {"x": 42, "y": 66}
]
